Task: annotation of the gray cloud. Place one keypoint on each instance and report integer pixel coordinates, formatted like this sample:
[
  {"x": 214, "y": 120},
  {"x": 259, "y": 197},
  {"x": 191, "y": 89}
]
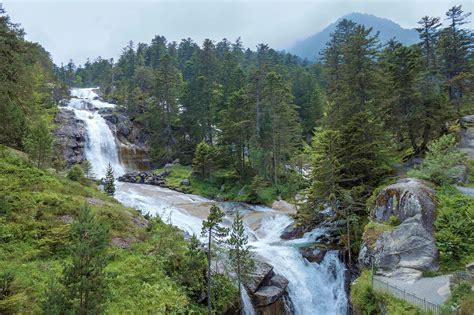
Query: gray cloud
[{"x": 86, "y": 29}]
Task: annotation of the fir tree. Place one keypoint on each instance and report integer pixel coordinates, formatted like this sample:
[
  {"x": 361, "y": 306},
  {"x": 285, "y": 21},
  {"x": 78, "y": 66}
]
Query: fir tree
[
  {"x": 239, "y": 253},
  {"x": 109, "y": 181},
  {"x": 204, "y": 160},
  {"x": 455, "y": 46},
  {"x": 212, "y": 229},
  {"x": 84, "y": 279}
]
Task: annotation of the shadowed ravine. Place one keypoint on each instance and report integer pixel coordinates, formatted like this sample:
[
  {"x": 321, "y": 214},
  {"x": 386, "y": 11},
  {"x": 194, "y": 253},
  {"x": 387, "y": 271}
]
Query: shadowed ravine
[{"x": 313, "y": 288}]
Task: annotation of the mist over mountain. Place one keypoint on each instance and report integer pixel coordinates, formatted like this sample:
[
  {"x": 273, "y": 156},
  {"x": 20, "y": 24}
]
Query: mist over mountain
[{"x": 310, "y": 47}]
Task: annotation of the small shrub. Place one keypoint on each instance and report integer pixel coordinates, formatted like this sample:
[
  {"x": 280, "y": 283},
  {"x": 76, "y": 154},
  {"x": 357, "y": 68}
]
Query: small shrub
[
  {"x": 373, "y": 230},
  {"x": 393, "y": 220},
  {"x": 441, "y": 164},
  {"x": 454, "y": 233},
  {"x": 76, "y": 174}
]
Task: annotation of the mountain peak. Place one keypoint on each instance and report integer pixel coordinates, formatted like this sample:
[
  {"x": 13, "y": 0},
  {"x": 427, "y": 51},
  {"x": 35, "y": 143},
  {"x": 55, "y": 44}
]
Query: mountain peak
[{"x": 310, "y": 47}]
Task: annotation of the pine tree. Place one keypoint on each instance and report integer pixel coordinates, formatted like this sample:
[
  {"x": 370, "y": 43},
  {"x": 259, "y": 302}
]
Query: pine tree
[
  {"x": 84, "y": 279},
  {"x": 325, "y": 189},
  {"x": 237, "y": 128},
  {"x": 109, "y": 181},
  {"x": 401, "y": 68},
  {"x": 280, "y": 129},
  {"x": 212, "y": 229},
  {"x": 239, "y": 253},
  {"x": 455, "y": 46},
  {"x": 168, "y": 83},
  {"x": 204, "y": 160}
]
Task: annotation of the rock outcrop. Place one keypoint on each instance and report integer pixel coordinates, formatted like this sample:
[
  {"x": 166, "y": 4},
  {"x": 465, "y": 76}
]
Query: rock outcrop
[
  {"x": 267, "y": 290},
  {"x": 132, "y": 137},
  {"x": 148, "y": 177},
  {"x": 70, "y": 136},
  {"x": 128, "y": 132},
  {"x": 407, "y": 249}
]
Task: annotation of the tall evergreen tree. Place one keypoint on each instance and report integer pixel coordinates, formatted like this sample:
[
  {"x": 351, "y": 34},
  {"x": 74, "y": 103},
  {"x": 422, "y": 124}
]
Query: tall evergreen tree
[
  {"x": 214, "y": 231},
  {"x": 280, "y": 127},
  {"x": 165, "y": 114},
  {"x": 239, "y": 253},
  {"x": 84, "y": 278},
  {"x": 455, "y": 44}
]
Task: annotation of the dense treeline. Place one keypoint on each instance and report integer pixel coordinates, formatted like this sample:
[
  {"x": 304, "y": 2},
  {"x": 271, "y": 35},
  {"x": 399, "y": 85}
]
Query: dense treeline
[
  {"x": 239, "y": 114},
  {"x": 385, "y": 104},
  {"x": 29, "y": 92},
  {"x": 243, "y": 112}
]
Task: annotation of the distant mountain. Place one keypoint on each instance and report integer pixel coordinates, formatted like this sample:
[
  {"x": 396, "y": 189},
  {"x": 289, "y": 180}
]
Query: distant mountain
[{"x": 310, "y": 47}]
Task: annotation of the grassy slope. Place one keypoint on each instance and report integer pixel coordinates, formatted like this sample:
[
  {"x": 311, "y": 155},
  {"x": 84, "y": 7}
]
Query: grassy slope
[{"x": 33, "y": 242}]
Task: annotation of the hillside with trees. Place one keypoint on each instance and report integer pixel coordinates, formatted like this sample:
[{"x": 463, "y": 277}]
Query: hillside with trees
[{"x": 249, "y": 125}]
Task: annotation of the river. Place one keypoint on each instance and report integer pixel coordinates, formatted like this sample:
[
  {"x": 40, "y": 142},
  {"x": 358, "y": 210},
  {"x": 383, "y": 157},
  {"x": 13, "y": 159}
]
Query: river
[{"x": 313, "y": 288}]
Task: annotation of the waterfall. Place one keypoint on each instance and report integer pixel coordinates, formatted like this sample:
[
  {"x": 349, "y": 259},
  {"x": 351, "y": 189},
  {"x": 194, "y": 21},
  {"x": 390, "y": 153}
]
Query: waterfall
[
  {"x": 313, "y": 288},
  {"x": 101, "y": 148}
]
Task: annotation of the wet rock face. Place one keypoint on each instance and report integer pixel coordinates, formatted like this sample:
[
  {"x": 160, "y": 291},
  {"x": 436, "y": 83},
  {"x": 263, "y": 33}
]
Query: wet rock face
[
  {"x": 70, "y": 136},
  {"x": 313, "y": 254},
  {"x": 294, "y": 231},
  {"x": 128, "y": 132},
  {"x": 408, "y": 248}
]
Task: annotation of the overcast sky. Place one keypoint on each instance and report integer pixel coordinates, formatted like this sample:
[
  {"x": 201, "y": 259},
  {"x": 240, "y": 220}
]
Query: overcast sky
[{"x": 80, "y": 29}]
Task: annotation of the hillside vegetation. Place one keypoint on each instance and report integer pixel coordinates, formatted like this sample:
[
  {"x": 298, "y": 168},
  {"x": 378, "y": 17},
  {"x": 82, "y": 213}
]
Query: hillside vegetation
[{"x": 156, "y": 271}]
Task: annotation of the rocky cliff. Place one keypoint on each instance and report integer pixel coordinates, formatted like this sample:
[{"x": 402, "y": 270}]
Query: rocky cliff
[
  {"x": 70, "y": 136},
  {"x": 400, "y": 241}
]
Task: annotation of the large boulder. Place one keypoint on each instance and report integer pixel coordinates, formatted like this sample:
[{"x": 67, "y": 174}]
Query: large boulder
[
  {"x": 267, "y": 289},
  {"x": 313, "y": 254},
  {"x": 262, "y": 273},
  {"x": 283, "y": 206},
  {"x": 405, "y": 199},
  {"x": 294, "y": 231},
  {"x": 70, "y": 136},
  {"x": 407, "y": 249}
]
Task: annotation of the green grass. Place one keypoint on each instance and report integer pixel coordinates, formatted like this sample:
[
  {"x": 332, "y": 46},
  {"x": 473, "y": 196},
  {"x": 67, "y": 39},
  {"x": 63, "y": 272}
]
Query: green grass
[{"x": 145, "y": 278}]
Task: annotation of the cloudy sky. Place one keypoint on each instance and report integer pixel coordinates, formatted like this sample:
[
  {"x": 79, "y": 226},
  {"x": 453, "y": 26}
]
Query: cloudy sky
[{"x": 80, "y": 29}]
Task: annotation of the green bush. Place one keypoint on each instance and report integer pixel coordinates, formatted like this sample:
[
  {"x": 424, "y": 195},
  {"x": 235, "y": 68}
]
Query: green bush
[
  {"x": 76, "y": 173},
  {"x": 454, "y": 228},
  {"x": 393, "y": 220},
  {"x": 442, "y": 162}
]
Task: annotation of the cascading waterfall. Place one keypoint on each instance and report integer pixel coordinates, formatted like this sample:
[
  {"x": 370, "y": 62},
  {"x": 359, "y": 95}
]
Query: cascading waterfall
[
  {"x": 313, "y": 288},
  {"x": 101, "y": 147}
]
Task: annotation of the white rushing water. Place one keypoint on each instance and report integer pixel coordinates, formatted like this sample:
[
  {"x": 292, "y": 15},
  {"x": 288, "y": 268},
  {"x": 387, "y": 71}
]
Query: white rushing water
[
  {"x": 313, "y": 288},
  {"x": 101, "y": 148}
]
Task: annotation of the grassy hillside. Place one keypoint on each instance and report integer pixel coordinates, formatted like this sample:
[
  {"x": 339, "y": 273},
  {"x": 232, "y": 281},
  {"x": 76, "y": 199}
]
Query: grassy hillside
[{"x": 151, "y": 270}]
